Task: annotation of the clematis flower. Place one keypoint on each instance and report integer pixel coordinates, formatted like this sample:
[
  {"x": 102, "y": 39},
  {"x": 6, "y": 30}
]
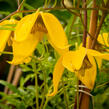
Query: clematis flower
[
  {"x": 5, "y": 33},
  {"x": 81, "y": 62},
  {"x": 31, "y": 29}
]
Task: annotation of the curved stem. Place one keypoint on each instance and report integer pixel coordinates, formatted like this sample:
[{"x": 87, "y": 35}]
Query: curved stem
[
  {"x": 65, "y": 96},
  {"x": 44, "y": 92},
  {"x": 36, "y": 84}
]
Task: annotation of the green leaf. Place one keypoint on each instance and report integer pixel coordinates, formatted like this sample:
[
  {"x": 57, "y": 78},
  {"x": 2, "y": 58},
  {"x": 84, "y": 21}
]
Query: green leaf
[
  {"x": 28, "y": 6},
  {"x": 10, "y": 86},
  {"x": 24, "y": 80},
  {"x": 4, "y": 12},
  {"x": 67, "y": 29},
  {"x": 12, "y": 25},
  {"x": 3, "y": 28}
]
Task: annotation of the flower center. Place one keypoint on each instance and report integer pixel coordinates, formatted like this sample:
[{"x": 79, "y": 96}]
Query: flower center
[
  {"x": 39, "y": 26},
  {"x": 86, "y": 65}
]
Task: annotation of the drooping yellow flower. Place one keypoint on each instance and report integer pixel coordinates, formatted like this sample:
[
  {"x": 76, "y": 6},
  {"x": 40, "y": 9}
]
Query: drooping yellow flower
[
  {"x": 81, "y": 62},
  {"x": 5, "y": 35},
  {"x": 31, "y": 29}
]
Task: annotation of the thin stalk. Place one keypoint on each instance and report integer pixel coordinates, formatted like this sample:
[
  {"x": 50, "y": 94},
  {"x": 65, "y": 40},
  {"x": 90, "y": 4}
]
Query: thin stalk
[
  {"x": 6, "y": 52},
  {"x": 36, "y": 84},
  {"x": 98, "y": 30},
  {"x": 47, "y": 99},
  {"x": 45, "y": 5},
  {"x": 74, "y": 19},
  {"x": 16, "y": 77},
  {"x": 56, "y": 8},
  {"x": 43, "y": 95},
  {"x": 20, "y": 6},
  {"x": 104, "y": 14},
  {"x": 85, "y": 24},
  {"x": 65, "y": 96},
  {"x": 77, "y": 93},
  {"x": 18, "y": 2},
  {"x": 54, "y": 4},
  {"x": 9, "y": 78}
]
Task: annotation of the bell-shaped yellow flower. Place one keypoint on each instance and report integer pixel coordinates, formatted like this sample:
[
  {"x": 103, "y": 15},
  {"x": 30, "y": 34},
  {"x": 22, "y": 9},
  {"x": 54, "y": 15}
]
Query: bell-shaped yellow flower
[
  {"x": 81, "y": 62},
  {"x": 31, "y": 29},
  {"x": 5, "y": 35}
]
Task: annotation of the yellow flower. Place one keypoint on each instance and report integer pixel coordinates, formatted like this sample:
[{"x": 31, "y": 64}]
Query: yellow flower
[
  {"x": 81, "y": 62},
  {"x": 5, "y": 35},
  {"x": 31, "y": 29},
  {"x": 104, "y": 39}
]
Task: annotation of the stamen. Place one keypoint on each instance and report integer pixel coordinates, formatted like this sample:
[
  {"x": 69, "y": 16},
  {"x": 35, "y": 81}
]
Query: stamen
[
  {"x": 86, "y": 65},
  {"x": 39, "y": 26}
]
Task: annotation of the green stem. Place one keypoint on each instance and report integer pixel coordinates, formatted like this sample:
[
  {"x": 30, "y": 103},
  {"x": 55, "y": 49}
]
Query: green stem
[
  {"x": 54, "y": 4},
  {"x": 45, "y": 103},
  {"x": 36, "y": 84},
  {"x": 45, "y": 5},
  {"x": 6, "y": 52},
  {"x": 77, "y": 93},
  {"x": 65, "y": 96},
  {"x": 43, "y": 95}
]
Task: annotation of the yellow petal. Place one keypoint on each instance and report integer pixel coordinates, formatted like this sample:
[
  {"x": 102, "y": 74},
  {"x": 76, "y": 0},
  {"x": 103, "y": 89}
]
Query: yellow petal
[
  {"x": 99, "y": 62},
  {"x": 22, "y": 50},
  {"x": 73, "y": 60},
  {"x": 57, "y": 74},
  {"x": 56, "y": 34},
  {"x": 24, "y": 27},
  {"x": 59, "y": 50},
  {"x": 4, "y": 34},
  {"x": 98, "y": 54},
  {"x": 68, "y": 61},
  {"x": 104, "y": 39},
  {"x": 89, "y": 75}
]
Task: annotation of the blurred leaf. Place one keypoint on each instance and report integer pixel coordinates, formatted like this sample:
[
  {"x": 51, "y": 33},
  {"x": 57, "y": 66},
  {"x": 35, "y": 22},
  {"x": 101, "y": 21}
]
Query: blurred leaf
[
  {"x": 4, "y": 28},
  {"x": 3, "y": 106},
  {"x": 4, "y": 12},
  {"x": 10, "y": 86},
  {"x": 61, "y": 15},
  {"x": 24, "y": 80},
  {"x": 68, "y": 27},
  {"x": 35, "y": 3},
  {"x": 27, "y": 6}
]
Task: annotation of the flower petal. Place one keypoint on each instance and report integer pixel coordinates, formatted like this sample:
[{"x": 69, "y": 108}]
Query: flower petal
[
  {"x": 104, "y": 39},
  {"x": 73, "y": 60},
  {"x": 22, "y": 50},
  {"x": 99, "y": 62},
  {"x": 89, "y": 75},
  {"x": 55, "y": 30},
  {"x": 24, "y": 26},
  {"x": 98, "y": 54},
  {"x": 4, "y": 34},
  {"x": 57, "y": 74},
  {"x": 59, "y": 50}
]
